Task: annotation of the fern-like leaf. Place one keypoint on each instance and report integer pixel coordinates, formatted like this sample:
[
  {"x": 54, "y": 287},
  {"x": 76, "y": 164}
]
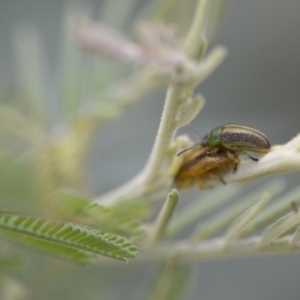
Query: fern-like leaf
[
  {"x": 122, "y": 219},
  {"x": 65, "y": 240}
]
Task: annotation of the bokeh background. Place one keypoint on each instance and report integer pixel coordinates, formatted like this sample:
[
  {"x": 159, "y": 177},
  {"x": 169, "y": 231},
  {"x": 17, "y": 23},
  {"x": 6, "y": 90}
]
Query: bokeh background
[{"x": 258, "y": 85}]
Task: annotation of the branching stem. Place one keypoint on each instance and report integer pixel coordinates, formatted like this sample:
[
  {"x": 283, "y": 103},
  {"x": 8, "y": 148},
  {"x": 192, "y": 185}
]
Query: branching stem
[
  {"x": 163, "y": 219},
  {"x": 178, "y": 95}
]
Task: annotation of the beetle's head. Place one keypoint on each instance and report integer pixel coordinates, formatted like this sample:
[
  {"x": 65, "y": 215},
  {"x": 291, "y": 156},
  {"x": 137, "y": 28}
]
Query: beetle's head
[{"x": 204, "y": 142}]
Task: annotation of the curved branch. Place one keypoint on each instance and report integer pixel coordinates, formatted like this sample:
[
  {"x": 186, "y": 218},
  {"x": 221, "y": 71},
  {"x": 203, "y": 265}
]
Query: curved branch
[{"x": 281, "y": 159}]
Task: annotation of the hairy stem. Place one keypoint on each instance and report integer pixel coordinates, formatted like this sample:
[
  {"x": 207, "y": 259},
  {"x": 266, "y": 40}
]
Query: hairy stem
[
  {"x": 163, "y": 219},
  {"x": 211, "y": 249},
  {"x": 194, "y": 41},
  {"x": 167, "y": 128},
  {"x": 178, "y": 95}
]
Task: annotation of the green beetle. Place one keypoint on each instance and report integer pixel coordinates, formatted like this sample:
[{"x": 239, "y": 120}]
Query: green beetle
[{"x": 236, "y": 138}]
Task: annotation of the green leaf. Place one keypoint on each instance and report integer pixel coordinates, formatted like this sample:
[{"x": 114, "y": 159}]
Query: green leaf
[
  {"x": 199, "y": 209},
  {"x": 274, "y": 212},
  {"x": 244, "y": 220},
  {"x": 191, "y": 110},
  {"x": 64, "y": 240},
  {"x": 171, "y": 282},
  {"x": 213, "y": 225},
  {"x": 123, "y": 219},
  {"x": 278, "y": 228}
]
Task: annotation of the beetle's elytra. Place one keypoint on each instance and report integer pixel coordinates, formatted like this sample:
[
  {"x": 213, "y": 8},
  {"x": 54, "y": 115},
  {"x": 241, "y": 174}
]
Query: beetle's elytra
[
  {"x": 235, "y": 137},
  {"x": 219, "y": 153},
  {"x": 201, "y": 164}
]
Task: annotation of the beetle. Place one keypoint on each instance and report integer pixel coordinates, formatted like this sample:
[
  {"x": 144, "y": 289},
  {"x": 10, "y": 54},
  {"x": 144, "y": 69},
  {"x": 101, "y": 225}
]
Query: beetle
[
  {"x": 201, "y": 164},
  {"x": 237, "y": 138},
  {"x": 233, "y": 138}
]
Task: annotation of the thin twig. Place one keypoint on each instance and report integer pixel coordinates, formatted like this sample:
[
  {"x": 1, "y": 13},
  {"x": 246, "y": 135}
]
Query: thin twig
[
  {"x": 163, "y": 219},
  {"x": 193, "y": 41},
  {"x": 282, "y": 159},
  {"x": 244, "y": 220}
]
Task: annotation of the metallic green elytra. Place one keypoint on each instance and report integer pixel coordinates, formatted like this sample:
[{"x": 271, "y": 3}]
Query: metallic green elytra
[{"x": 235, "y": 137}]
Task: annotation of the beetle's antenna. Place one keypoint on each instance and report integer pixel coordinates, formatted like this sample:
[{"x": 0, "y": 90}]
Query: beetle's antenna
[
  {"x": 187, "y": 149},
  {"x": 195, "y": 131}
]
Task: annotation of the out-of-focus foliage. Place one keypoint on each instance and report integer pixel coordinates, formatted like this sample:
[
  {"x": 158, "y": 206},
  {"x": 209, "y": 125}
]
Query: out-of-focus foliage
[
  {"x": 66, "y": 240},
  {"x": 46, "y": 132},
  {"x": 123, "y": 218}
]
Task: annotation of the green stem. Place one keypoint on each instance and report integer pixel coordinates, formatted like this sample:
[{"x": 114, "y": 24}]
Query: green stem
[
  {"x": 177, "y": 97},
  {"x": 211, "y": 250},
  {"x": 194, "y": 41},
  {"x": 163, "y": 219},
  {"x": 166, "y": 131}
]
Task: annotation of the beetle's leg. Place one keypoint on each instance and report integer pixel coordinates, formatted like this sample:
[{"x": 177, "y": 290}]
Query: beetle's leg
[
  {"x": 231, "y": 156},
  {"x": 294, "y": 206},
  {"x": 253, "y": 158},
  {"x": 216, "y": 176},
  {"x": 201, "y": 184}
]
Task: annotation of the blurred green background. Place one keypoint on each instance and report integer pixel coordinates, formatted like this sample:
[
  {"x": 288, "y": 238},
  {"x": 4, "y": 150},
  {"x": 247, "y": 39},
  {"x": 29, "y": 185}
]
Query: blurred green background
[{"x": 257, "y": 85}]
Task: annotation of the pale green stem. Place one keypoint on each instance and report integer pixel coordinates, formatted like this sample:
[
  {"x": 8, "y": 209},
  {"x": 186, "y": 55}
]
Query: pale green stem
[
  {"x": 274, "y": 211},
  {"x": 191, "y": 111},
  {"x": 278, "y": 228},
  {"x": 218, "y": 222},
  {"x": 244, "y": 221},
  {"x": 295, "y": 239},
  {"x": 164, "y": 283},
  {"x": 163, "y": 219},
  {"x": 177, "y": 96},
  {"x": 194, "y": 41},
  {"x": 132, "y": 188},
  {"x": 166, "y": 131},
  {"x": 174, "y": 101},
  {"x": 199, "y": 208},
  {"x": 210, "y": 63},
  {"x": 211, "y": 250}
]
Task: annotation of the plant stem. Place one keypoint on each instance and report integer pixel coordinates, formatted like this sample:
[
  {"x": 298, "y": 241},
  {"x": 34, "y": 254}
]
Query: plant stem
[
  {"x": 166, "y": 131},
  {"x": 177, "y": 96},
  {"x": 163, "y": 219},
  {"x": 244, "y": 220},
  {"x": 211, "y": 250},
  {"x": 194, "y": 41},
  {"x": 199, "y": 208}
]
